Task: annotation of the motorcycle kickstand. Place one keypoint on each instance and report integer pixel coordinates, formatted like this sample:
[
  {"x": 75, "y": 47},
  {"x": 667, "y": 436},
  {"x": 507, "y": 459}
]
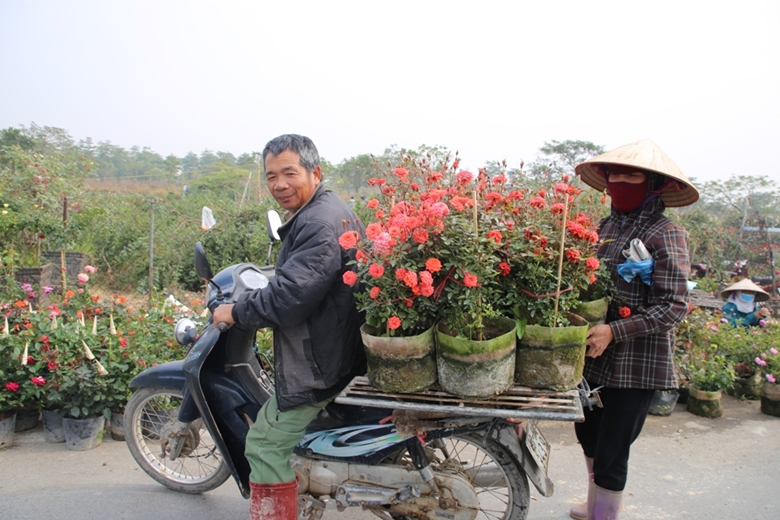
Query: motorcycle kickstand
[{"x": 310, "y": 507}]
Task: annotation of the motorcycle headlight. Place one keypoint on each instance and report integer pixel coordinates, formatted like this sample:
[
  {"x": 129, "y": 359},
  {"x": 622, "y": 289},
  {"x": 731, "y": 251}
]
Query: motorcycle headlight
[{"x": 184, "y": 331}]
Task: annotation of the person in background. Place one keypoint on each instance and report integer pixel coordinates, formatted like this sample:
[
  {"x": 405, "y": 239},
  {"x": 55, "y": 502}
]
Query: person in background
[
  {"x": 741, "y": 299},
  {"x": 317, "y": 345},
  {"x": 630, "y": 356}
]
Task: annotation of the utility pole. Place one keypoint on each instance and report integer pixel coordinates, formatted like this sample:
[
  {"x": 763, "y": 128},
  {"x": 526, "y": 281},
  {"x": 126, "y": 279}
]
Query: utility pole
[{"x": 151, "y": 254}]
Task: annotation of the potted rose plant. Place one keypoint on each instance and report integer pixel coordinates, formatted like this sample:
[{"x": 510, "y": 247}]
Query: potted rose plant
[
  {"x": 428, "y": 256},
  {"x": 767, "y": 361},
  {"x": 549, "y": 266}
]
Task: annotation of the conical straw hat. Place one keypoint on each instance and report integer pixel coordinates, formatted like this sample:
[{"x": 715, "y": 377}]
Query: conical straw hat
[
  {"x": 644, "y": 155},
  {"x": 745, "y": 285}
]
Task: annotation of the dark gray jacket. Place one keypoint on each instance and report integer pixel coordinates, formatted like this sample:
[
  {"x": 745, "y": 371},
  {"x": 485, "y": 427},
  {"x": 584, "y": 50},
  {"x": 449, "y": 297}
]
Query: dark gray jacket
[{"x": 317, "y": 346}]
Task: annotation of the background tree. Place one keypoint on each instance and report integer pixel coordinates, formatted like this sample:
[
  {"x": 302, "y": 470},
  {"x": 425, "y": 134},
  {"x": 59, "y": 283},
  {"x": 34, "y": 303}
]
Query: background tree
[{"x": 558, "y": 158}]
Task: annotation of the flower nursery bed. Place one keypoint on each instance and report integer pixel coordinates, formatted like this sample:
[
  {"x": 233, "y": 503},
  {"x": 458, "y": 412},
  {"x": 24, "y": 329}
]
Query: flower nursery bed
[{"x": 516, "y": 403}]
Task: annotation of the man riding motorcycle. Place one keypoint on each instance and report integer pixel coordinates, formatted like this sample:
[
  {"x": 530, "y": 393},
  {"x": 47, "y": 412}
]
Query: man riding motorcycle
[{"x": 317, "y": 348}]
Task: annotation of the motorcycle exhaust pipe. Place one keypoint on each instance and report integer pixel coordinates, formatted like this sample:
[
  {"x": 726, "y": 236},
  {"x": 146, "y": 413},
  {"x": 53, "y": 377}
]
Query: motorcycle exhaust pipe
[{"x": 487, "y": 476}]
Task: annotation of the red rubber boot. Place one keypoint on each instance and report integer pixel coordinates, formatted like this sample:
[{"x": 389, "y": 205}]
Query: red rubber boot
[{"x": 273, "y": 501}]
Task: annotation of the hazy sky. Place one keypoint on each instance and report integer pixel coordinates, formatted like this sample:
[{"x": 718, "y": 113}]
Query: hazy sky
[{"x": 493, "y": 80}]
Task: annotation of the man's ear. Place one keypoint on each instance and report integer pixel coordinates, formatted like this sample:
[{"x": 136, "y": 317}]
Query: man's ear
[{"x": 317, "y": 174}]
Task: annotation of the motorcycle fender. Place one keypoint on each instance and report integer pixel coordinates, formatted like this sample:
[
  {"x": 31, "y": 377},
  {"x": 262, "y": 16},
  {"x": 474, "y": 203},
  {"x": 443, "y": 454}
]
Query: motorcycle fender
[
  {"x": 508, "y": 437},
  {"x": 167, "y": 375}
]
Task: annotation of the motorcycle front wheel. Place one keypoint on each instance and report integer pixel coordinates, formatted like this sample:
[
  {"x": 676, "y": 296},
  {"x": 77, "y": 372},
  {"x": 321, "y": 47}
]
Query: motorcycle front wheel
[
  {"x": 152, "y": 428},
  {"x": 500, "y": 482}
]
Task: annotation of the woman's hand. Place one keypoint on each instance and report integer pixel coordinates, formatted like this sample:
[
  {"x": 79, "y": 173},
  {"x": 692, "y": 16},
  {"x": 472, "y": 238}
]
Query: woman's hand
[
  {"x": 599, "y": 338},
  {"x": 763, "y": 312}
]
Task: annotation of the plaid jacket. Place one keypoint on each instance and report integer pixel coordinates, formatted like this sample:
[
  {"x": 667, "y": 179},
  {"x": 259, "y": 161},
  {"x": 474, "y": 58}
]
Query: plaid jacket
[{"x": 641, "y": 355}]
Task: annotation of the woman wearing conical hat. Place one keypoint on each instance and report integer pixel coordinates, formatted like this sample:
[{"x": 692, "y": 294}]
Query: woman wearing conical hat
[
  {"x": 741, "y": 299},
  {"x": 630, "y": 356}
]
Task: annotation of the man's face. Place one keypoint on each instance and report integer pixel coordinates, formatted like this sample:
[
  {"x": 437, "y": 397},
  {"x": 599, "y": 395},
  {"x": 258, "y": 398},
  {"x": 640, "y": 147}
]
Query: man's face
[{"x": 289, "y": 182}]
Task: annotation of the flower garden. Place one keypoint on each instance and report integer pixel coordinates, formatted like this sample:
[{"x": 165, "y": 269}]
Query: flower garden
[{"x": 75, "y": 353}]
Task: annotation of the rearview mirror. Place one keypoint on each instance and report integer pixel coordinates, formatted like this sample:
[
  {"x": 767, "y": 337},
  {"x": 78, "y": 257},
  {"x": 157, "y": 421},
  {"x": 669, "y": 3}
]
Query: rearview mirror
[
  {"x": 272, "y": 223},
  {"x": 202, "y": 266}
]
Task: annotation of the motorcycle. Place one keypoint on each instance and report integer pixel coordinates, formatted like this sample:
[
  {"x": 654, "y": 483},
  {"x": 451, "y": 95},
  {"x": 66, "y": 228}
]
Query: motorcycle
[{"x": 186, "y": 425}]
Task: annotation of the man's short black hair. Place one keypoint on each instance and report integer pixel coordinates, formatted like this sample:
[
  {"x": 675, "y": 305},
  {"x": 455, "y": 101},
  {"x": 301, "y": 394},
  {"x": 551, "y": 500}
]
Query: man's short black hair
[{"x": 302, "y": 145}]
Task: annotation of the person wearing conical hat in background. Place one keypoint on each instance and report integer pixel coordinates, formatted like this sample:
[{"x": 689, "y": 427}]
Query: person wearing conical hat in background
[
  {"x": 630, "y": 356},
  {"x": 741, "y": 300}
]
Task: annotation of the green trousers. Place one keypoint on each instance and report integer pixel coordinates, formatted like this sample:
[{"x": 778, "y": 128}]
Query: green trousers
[{"x": 272, "y": 439}]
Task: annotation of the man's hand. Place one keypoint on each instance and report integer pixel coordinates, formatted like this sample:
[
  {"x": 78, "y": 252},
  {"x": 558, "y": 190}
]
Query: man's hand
[
  {"x": 224, "y": 314},
  {"x": 599, "y": 338}
]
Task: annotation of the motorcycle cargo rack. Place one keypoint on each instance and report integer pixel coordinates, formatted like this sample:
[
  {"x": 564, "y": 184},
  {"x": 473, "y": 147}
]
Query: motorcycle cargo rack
[{"x": 516, "y": 403}]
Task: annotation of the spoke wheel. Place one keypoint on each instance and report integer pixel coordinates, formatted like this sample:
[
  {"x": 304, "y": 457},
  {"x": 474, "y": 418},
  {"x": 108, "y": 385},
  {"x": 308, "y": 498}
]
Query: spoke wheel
[
  {"x": 500, "y": 482},
  {"x": 152, "y": 431}
]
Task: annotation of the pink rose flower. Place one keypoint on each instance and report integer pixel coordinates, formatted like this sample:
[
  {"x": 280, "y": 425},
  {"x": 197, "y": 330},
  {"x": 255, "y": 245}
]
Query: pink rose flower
[
  {"x": 38, "y": 380},
  {"x": 90, "y": 269},
  {"x": 83, "y": 278}
]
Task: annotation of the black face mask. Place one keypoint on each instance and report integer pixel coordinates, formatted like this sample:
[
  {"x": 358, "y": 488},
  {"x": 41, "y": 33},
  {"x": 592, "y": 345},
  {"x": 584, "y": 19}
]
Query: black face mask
[{"x": 627, "y": 197}]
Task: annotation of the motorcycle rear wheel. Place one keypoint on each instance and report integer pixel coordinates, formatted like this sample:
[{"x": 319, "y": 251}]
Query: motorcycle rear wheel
[
  {"x": 150, "y": 418},
  {"x": 500, "y": 482}
]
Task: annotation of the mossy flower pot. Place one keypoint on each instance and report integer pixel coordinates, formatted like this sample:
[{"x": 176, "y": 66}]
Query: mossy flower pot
[
  {"x": 746, "y": 387},
  {"x": 770, "y": 399},
  {"x": 479, "y": 369},
  {"x": 400, "y": 364},
  {"x": 552, "y": 358},
  {"x": 594, "y": 312},
  {"x": 703, "y": 403}
]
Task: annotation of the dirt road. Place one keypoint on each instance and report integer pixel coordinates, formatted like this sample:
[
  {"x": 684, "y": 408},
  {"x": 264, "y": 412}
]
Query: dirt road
[{"x": 682, "y": 467}]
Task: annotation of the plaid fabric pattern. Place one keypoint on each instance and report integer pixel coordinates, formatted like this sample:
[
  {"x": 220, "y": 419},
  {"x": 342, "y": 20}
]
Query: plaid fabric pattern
[{"x": 641, "y": 355}]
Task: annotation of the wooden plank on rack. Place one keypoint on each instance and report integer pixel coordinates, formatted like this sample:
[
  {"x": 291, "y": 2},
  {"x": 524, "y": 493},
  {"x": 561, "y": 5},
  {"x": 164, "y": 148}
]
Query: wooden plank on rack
[{"x": 517, "y": 402}]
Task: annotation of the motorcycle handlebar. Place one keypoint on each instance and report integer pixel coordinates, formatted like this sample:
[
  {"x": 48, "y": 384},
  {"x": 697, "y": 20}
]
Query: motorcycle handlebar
[{"x": 222, "y": 326}]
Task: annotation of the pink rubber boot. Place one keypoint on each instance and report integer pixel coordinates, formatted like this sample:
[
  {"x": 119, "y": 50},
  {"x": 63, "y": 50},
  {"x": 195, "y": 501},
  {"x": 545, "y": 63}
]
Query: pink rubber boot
[
  {"x": 603, "y": 504},
  {"x": 580, "y": 511}
]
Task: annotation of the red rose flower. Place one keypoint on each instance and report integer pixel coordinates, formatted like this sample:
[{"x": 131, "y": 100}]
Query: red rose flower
[
  {"x": 469, "y": 280},
  {"x": 350, "y": 278},
  {"x": 13, "y": 387},
  {"x": 394, "y": 322},
  {"x": 349, "y": 239},
  {"x": 433, "y": 265},
  {"x": 376, "y": 270},
  {"x": 374, "y": 293},
  {"x": 624, "y": 312}
]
